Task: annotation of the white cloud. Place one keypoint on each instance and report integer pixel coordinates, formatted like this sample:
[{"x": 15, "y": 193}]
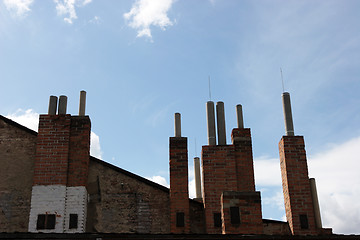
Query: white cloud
[
  {"x": 147, "y": 13},
  {"x": 30, "y": 119},
  {"x": 159, "y": 180},
  {"x": 67, "y": 7},
  {"x": 267, "y": 171},
  {"x": 192, "y": 190},
  {"x": 338, "y": 184},
  {"x": 27, "y": 118},
  {"x": 95, "y": 149},
  {"x": 18, "y": 7},
  {"x": 276, "y": 200},
  {"x": 192, "y": 187},
  {"x": 95, "y": 20}
]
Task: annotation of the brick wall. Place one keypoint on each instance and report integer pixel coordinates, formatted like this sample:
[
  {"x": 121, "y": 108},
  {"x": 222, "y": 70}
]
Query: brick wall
[
  {"x": 241, "y": 139},
  {"x": 197, "y": 217},
  {"x": 296, "y": 184},
  {"x": 48, "y": 199},
  {"x": 273, "y": 227},
  {"x": 17, "y": 154},
  {"x": 52, "y": 149},
  {"x": 229, "y": 168},
  {"x": 76, "y": 203},
  {"x": 79, "y": 144},
  {"x": 179, "y": 190},
  {"x": 248, "y": 206},
  {"x": 219, "y": 175},
  {"x": 123, "y": 202},
  {"x": 61, "y": 171}
]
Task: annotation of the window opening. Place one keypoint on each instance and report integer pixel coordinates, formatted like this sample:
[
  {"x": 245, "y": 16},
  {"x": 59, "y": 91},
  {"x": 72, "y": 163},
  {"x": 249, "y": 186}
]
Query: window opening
[
  {"x": 73, "y": 223},
  {"x": 46, "y": 221}
]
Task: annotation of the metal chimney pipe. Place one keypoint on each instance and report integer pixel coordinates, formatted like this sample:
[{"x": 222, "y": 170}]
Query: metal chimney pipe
[
  {"x": 82, "y": 103},
  {"x": 239, "y": 114},
  {"x": 177, "y": 125},
  {"x": 315, "y": 203},
  {"x": 197, "y": 177},
  {"x": 210, "y": 117},
  {"x": 289, "y": 127},
  {"x": 220, "y": 117},
  {"x": 62, "y": 104},
  {"x": 52, "y": 105}
]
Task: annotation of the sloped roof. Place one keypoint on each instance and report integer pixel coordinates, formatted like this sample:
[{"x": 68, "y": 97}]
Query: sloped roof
[
  {"x": 130, "y": 174},
  {"x": 118, "y": 169},
  {"x": 15, "y": 124}
]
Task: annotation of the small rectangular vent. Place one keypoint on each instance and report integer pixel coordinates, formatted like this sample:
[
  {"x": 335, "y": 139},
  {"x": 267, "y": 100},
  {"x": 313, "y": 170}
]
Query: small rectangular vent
[
  {"x": 304, "y": 223},
  {"x": 180, "y": 219},
  {"x": 73, "y": 223},
  {"x": 234, "y": 215},
  {"x": 217, "y": 220}
]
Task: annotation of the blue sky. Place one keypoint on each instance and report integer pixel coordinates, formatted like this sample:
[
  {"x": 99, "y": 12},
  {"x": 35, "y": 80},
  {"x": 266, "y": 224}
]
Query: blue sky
[{"x": 141, "y": 61}]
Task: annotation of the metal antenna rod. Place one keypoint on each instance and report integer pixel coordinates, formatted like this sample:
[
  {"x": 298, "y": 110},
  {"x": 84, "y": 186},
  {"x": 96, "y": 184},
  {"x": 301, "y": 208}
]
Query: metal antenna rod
[
  {"x": 282, "y": 80},
  {"x": 209, "y": 89},
  {"x": 195, "y": 148}
]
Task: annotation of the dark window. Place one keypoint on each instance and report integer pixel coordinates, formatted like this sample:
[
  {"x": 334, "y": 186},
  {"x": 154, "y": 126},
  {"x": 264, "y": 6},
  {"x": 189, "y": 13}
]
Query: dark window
[
  {"x": 234, "y": 215},
  {"x": 180, "y": 219},
  {"x": 304, "y": 224},
  {"x": 73, "y": 223},
  {"x": 217, "y": 219},
  {"x": 45, "y": 221}
]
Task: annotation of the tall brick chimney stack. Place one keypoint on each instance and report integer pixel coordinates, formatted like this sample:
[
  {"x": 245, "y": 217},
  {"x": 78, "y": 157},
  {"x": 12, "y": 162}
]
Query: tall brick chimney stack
[
  {"x": 59, "y": 195},
  {"x": 299, "y": 204},
  {"x": 232, "y": 206},
  {"x": 179, "y": 192}
]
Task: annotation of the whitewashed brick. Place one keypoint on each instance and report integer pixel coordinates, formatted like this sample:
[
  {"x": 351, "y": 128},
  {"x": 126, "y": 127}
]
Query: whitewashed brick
[{"x": 48, "y": 199}]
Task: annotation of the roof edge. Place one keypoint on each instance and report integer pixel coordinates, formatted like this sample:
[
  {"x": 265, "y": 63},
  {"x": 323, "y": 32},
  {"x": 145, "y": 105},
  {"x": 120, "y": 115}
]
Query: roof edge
[
  {"x": 273, "y": 221},
  {"x": 129, "y": 174},
  {"x": 18, "y": 125}
]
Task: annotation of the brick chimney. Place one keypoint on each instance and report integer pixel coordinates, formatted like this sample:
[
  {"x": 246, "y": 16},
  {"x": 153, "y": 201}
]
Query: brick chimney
[
  {"x": 59, "y": 195},
  {"x": 232, "y": 206},
  {"x": 179, "y": 193},
  {"x": 299, "y": 199}
]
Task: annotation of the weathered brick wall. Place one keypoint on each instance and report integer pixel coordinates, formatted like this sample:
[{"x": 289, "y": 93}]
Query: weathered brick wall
[
  {"x": 52, "y": 150},
  {"x": 17, "y": 154},
  {"x": 78, "y": 168},
  {"x": 249, "y": 209},
  {"x": 61, "y": 169},
  {"x": 79, "y": 151},
  {"x": 48, "y": 199},
  {"x": 125, "y": 203},
  {"x": 228, "y": 168},
  {"x": 296, "y": 184},
  {"x": 179, "y": 190},
  {"x": 76, "y": 203},
  {"x": 272, "y": 227},
  {"x": 197, "y": 217},
  {"x": 219, "y": 175},
  {"x": 241, "y": 139}
]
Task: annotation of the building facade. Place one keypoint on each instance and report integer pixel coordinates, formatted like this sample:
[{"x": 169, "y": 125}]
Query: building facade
[{"x": 51, "y": 184}]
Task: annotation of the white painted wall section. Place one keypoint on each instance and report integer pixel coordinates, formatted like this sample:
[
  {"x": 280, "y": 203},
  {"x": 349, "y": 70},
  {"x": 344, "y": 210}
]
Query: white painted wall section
[
  {"x": 49, "y": 199},
  {"x": 76, "y": 203}
]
